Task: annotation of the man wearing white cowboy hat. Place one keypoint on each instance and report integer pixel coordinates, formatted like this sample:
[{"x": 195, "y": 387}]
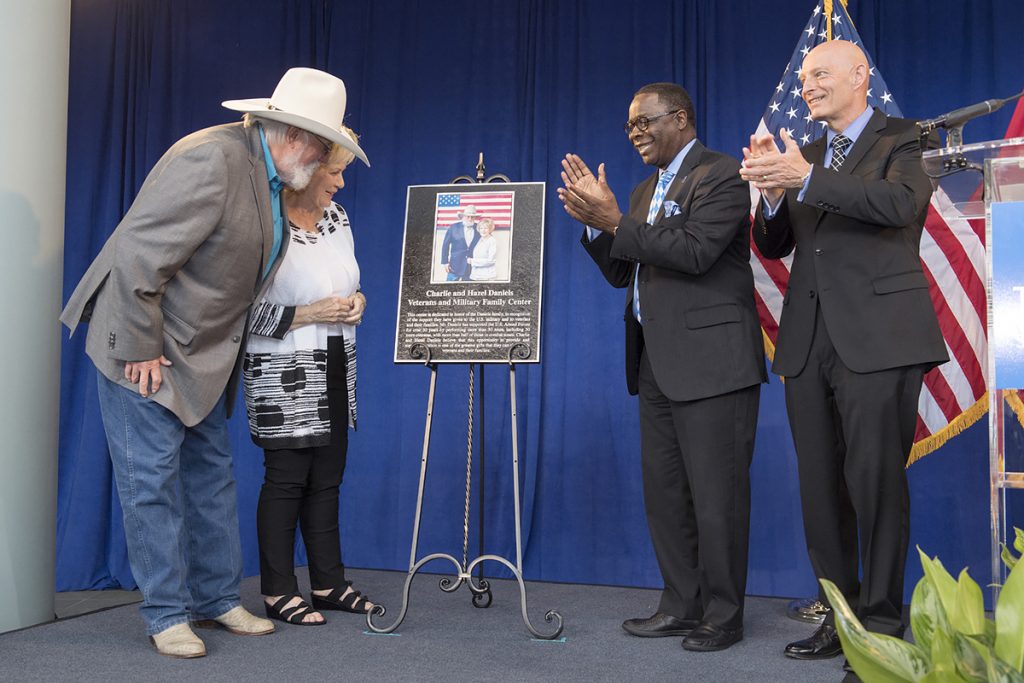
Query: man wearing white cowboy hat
[
  {"x": 458, "y": 244},
  {"x": 167, "y": 300}
]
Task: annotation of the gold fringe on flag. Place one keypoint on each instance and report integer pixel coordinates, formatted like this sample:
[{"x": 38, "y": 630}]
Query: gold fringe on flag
[
  {"x": 769, "y": 348},
  {"x": 959, "y": 424},
  {"x": 1012, "y": 399},
  {"x": 934, "y": 441}
]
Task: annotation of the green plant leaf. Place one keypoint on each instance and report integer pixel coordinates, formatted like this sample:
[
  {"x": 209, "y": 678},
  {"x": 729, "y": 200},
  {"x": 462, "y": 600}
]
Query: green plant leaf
[
  {"x": 1010, "y": 620},
  {"x": 875, "y": 657},
  {"x": 942, "y": 652},
  {"x": 942, "y": 677},
  {"x": 969, "y": 614},
  {"x": 945, "y": 585},
  {"x": 1018, "y": 542},
  {"x": 1008, "y": 559},
  {"x": 989, "y": 637},
  {"x": 936, "y": 676},
  {"x": 943, "y": 667},
  {"x": 971, "y": 658},
  {"x": 926, "y": 614},
  {"x": 1001, "y": 672},
  {"x": 992, "y": 668}
]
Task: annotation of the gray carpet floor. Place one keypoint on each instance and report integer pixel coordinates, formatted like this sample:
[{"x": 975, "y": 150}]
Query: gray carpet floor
[{"x": 443, "y": 638}]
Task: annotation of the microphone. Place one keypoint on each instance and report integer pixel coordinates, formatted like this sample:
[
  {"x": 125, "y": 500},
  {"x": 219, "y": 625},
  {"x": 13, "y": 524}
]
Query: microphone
[{"x": 958, "y": 117}]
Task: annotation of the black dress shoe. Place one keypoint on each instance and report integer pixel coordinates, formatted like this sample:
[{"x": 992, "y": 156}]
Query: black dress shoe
[
  {"x": 709, "y": 638},
  {"x": 659, "y": 625},
  {"x": 823, "y": 644}
]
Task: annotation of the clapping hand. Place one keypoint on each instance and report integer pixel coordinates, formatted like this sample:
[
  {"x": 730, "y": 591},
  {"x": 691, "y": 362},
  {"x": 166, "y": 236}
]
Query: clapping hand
[
  {"x": 587, "y": 199},
  {"x": 773, "y": 171}
]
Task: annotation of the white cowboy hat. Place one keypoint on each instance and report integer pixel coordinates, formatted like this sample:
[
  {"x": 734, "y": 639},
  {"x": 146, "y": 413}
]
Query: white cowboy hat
[
  {"x": 470, "y": 210},
  {"x": 309, "y": 99}
]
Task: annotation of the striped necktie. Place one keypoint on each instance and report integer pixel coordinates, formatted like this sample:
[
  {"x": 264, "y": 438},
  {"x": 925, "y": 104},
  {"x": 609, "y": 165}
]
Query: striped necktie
[
  {"x": 840, "y": 145},
  {"x": 659, "y": 195},
  {"x": 656, "y": 201}
]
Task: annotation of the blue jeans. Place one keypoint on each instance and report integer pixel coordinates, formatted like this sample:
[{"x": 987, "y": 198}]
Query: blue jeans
[{"x": 177, "y": 494}]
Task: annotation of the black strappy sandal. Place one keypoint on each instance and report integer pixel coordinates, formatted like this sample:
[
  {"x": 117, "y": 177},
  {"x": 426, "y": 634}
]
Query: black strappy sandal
[
  {"x": 294, "y": 614},
  {"x": 355, "y": 602}
]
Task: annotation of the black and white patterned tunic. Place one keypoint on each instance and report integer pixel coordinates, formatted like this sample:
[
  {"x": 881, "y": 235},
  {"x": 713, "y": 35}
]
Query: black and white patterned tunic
[{"x": 285, "y": 371}]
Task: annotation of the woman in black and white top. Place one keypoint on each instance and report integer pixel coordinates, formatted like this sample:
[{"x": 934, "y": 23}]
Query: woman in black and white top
[{"x": 300, "y": 368}]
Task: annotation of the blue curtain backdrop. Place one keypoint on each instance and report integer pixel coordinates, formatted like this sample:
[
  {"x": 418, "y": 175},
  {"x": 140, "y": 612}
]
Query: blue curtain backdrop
[{"x": 430, "y": 86}]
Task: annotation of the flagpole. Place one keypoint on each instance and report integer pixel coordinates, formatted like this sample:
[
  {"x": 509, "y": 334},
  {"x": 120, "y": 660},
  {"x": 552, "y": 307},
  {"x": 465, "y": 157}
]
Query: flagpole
[{"x": 828, "y": 16}]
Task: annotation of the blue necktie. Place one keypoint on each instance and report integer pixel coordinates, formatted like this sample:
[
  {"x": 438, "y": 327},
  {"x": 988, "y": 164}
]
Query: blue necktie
[
  {"x": 659, "y": 195},
  {"x": 656, "y": 201}
]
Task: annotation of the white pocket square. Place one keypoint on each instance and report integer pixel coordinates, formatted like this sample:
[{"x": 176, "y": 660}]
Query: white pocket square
[{"x": 671, "y": 209}]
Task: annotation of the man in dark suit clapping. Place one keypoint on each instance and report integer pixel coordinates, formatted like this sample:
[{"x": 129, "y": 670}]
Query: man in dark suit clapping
[
  {"x": 693, "y": 354},
  {"x": 858, "y": 330}
]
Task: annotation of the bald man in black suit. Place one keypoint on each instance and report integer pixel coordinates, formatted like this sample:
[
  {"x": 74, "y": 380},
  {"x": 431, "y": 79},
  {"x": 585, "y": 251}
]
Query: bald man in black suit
[{"x": 858, "y": 330}]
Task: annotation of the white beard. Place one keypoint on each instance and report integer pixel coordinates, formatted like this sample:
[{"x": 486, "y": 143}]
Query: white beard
[{"x": 294, "y": 176}]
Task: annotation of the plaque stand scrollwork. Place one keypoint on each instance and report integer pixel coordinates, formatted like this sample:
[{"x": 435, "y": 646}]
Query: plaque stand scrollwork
[{"x": 478, "y": 586}]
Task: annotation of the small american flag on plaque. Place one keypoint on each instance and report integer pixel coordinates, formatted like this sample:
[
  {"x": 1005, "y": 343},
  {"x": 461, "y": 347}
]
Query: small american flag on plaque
[{"x": 494, "y": 205}]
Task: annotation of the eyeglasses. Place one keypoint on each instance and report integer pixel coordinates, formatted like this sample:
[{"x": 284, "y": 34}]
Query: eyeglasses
[
  {"x": 326, "y": 144},
  {"x": 642, "y": 122}
]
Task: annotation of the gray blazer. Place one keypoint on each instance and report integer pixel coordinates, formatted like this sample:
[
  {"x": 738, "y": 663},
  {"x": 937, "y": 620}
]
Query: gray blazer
[{"x": 180, "y": 272}]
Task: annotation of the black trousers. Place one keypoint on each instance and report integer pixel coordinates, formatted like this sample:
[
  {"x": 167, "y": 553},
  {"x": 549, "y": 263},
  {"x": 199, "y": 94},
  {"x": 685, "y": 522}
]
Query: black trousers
[
  {"x": 853, "y": 434},
  {"x": 301, "y": 487},
  {"x": 695, "y": 457}
]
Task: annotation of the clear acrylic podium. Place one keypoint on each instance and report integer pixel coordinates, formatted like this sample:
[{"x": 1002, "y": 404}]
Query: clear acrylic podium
[{"x": 976, "y": 179}]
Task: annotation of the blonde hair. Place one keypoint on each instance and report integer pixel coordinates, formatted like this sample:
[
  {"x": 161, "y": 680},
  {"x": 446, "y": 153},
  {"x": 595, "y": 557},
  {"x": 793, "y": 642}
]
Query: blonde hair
[
  {"x": 488, "y": 222},
  {"x": 340, "y": 155}
]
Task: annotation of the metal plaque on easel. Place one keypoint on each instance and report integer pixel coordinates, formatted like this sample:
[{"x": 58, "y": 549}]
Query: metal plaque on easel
[{"x": 472, "y": 260}]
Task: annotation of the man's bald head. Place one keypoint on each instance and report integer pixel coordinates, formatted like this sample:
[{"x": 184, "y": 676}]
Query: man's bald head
[
  {"x": 835, "y": 79},
  {"x": 842, "y": 50}
]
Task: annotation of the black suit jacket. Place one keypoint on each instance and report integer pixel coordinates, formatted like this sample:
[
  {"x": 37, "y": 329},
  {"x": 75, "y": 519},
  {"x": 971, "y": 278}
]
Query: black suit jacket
[
  {"x": 700, "y": 325},
  {"x": 857, "y": 237}
]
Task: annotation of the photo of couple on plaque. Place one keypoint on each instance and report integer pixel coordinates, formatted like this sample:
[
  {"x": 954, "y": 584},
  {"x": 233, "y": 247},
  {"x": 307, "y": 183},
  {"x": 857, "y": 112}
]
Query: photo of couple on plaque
[{"x": 472, "y": 237}]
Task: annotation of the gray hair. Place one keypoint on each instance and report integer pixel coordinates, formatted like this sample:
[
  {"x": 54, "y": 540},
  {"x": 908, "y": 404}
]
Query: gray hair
[{"x": 276, "y": 131}]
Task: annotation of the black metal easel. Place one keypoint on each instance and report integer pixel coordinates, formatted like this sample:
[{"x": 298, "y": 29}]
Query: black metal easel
[{"x": 480, "y": 588}]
